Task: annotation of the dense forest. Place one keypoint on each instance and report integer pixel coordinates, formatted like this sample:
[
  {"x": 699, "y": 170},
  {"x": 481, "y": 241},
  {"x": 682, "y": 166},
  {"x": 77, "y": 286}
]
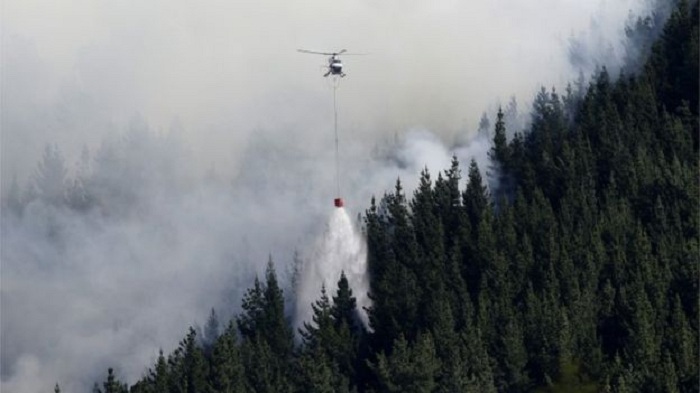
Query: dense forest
[{"x": 577, "y": 273}]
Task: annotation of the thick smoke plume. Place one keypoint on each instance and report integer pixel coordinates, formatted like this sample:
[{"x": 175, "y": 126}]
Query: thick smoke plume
[
  {"x": 75, "y": 71},
  {"x": 194, "y": 141}
]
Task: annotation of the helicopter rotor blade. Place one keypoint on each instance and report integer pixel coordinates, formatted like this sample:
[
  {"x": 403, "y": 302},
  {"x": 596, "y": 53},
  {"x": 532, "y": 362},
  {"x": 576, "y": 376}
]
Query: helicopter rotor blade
[
  {"x": 314, "y": 52},
  {"x": 343, "y": 52}
]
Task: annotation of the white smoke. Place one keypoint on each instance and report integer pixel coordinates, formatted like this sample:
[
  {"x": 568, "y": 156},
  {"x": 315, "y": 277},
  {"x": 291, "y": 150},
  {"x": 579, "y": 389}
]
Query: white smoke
[
  {"x": 76, "y": 70},
  {"x": 84, "y": 291},
  {"x": 113, "y": 289},
  {"x": 341, "y": 248}
]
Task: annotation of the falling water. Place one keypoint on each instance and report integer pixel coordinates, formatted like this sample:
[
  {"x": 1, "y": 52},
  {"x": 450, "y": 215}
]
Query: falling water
[{"x": 341, "y": 248}]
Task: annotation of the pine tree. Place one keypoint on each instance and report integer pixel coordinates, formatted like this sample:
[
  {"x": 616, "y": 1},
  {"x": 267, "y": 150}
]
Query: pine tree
[
  {"x": 682, "y": 343},
  {"x": 344, "y": 309},
  {"x": 409, "y": 368},
  {"x": 111, "y": 384},
  {"x": 426, "y": 219},
  {"x": 383, "y": 268},
  {"x": 399, "y": 281},
  {"x": 250, "y": 321},
  {"x": 320, "y": 333},
  {"x": 276, "y": 327},
  {"x": 448, "y": 201},
  {"x": 500, "y": 152},
  {"x": 332, "y": 341},
  {"x": 476, "y": 197},
  {"x": 499, "y": 156},
  {"x": 267, "y": 336},
  {"x": 265, "y": 372},
  {"x": 193, "y": 368},
  {"x": 316, "y": 373},
  {"x": 452, "y": 375},
  {"x": 211, "y": 331},
  {"x": 227, "y": 374},
  {"x": 480, "y": 373},
  {"x": 160, "y": 377},
  {"x": 511, "y": 357}
]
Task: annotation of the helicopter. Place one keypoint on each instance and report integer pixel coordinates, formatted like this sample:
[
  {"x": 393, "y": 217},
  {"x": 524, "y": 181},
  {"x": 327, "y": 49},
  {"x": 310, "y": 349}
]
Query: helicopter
[{"x": 335, "y": 66}]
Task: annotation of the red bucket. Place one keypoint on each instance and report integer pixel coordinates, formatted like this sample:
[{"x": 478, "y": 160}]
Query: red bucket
[{"x": 338, "y": 202}]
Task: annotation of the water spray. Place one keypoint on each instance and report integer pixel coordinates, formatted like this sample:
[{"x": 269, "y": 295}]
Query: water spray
[{"x": 341, "y": 248}]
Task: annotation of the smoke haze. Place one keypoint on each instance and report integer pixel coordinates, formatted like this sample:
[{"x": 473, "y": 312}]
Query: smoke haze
[
  {"x": 225, "y": 70},
  {"x": 210, "y": 145}
]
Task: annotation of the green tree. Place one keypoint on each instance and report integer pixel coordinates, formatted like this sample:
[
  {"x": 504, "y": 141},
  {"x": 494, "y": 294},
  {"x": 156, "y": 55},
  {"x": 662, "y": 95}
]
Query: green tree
[
  {"x": 448, "y": 203},
  {"x": 499, "y": 156},
  {"x": 277, "y": 329},
  {"x": 317, "y": 374},
  {"x": 253, "y": 305},
  {"x": 192, "y": 368},
  {"x": 265, "y": 371},
  {"x": 211, "y": 331},
  {"x": 682, "y": 346},
  {"x": 409, "y": 368},
  {"x": 344, "y": 309},
  {"x": 479, "y": 362},
  {"x": 331, "y": 342},
  {"x": 320, "y": 333},
  {"x": 349, "y": 330},
  {"x": 476, "y": 197},
  {"x": 395, "y": 289},
  {"x": 263, "y": 314},
  {"x": 111, "y": 384},
  {"x": 267, "y": 346},
  {"x": 227, "y": 374}
]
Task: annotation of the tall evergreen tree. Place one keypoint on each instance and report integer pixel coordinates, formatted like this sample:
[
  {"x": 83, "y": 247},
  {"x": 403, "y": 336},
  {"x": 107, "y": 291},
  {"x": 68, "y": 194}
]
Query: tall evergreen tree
[
  {"x": 211, "y": 332},
  {"x": 475, "y": 197},
  {"x": 500, "y": 160},
  {"x": 253, "y": 305},
  {"x": 276, "y": 328},
  {"x": 409, "y": 368},
  {"x": 344, "y": 308},
  {"x": 227, "y": 374},
  {"x": 111, "y": 384}
]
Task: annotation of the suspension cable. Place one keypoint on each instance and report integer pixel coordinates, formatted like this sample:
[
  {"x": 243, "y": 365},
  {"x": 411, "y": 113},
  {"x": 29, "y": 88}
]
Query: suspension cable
[{"x": 337, "y": 151}]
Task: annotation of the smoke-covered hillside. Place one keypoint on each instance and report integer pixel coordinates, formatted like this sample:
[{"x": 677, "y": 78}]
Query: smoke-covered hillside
[{"x": 155, "y": 156}]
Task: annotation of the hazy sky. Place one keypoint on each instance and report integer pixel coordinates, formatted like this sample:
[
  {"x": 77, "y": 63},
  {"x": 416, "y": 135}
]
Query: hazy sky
[
  {"x": 223, "y": 83},
  {"x": 76, "y": 69}
]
